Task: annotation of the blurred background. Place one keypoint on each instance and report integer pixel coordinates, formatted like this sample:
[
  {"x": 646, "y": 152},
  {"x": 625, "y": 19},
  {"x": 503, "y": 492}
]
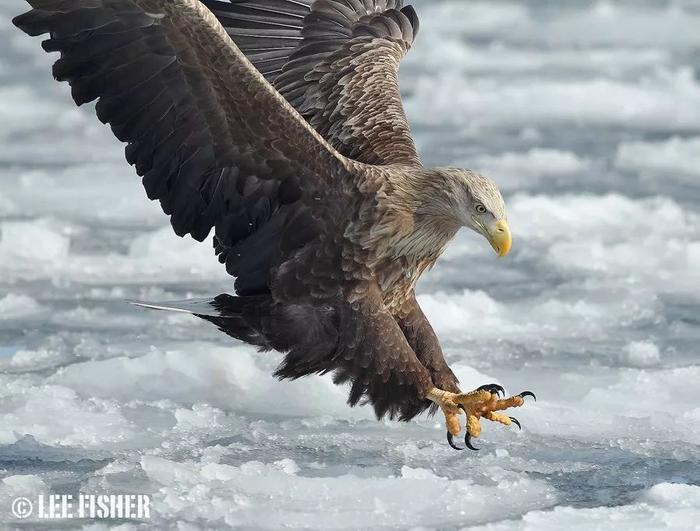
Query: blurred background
[{"x": 586, "y": 113}]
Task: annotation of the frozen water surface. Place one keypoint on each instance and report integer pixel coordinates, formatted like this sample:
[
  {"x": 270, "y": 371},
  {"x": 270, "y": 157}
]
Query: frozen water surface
[{"x": 587, "y": 113}]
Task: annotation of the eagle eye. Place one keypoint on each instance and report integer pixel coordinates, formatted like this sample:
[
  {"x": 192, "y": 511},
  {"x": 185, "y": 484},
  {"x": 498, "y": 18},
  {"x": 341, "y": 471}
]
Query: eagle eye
[{"x": 481, "y": 209}]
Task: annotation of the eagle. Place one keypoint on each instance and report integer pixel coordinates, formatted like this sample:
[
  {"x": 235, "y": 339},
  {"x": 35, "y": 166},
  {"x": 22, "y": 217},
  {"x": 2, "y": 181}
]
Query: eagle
[{"x": 278, "y": 126}]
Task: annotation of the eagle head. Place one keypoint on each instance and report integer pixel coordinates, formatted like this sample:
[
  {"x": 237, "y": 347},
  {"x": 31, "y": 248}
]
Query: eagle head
[{"x": 474, "y": 201}]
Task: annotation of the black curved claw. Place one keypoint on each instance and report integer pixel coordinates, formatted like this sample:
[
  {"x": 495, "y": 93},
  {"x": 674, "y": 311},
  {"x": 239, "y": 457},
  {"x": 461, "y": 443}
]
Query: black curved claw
[
  {"x": 468, "y": 442},
  {"x": 451, "y": 441},
  {"x": 493, "y": 388},
  {"x": 528, "y": 393},
  {"x": 467, "y": 437},
  {"x": 516, "y": 422}
]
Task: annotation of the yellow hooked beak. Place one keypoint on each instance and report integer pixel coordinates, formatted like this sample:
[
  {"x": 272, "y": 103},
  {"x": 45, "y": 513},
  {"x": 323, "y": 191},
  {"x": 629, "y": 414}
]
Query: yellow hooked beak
[{"x": 499, "y": 237}]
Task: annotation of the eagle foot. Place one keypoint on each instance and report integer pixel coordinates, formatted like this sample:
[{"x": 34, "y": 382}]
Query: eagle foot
[{"x": 483, "y": 402}]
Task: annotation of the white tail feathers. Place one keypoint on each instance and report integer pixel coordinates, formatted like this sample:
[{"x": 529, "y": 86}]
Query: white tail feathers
[{"x": 192, "y": 306}]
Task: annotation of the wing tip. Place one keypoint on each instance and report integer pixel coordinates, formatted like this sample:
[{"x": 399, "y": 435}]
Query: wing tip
[
  {"x": 412, "y": 16},
  {"x": 24, "y": 23}
]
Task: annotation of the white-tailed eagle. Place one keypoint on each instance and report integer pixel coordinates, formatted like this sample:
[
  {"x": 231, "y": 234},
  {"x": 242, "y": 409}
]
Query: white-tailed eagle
[{"x": 278, "y": 124}]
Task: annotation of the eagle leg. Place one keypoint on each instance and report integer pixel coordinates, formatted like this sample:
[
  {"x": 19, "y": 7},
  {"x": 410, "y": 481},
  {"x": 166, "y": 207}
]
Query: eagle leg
[{"x": 483, "y": 402}]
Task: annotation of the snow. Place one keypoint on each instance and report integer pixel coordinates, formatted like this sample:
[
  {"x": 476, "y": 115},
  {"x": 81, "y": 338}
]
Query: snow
[
  {"x": 663, "y": 506},
  {"x": 671, "y": 25},
  {"x": 675, "y": 158},
  {"x": 17, "y": 307},
  {"x": 587, "y": 114},
  {"x": 47, "y": 243},
  {"x": 641, "y": 354},
  {"x": 403, "y": 500},
  {"x": 535, "y": 165},
  {"x": 661, "y": 101}
]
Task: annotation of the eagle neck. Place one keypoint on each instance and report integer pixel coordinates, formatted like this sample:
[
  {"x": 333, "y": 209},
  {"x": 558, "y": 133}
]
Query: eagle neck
[{"x": 424, "y": 222}]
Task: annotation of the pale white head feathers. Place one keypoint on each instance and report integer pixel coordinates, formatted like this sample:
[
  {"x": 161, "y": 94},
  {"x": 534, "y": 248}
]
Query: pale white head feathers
[{"x": 463, "y": 198}]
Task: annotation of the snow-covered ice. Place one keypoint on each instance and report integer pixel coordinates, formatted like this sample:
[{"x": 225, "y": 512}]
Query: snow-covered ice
[{"x": 587, "y": 113}]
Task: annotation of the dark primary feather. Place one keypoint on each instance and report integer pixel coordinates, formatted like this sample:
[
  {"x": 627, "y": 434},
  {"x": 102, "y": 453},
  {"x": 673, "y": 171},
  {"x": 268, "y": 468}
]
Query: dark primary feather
[
  {"x": 336, "y": 62},
  {"x": 188, "y": 123}
]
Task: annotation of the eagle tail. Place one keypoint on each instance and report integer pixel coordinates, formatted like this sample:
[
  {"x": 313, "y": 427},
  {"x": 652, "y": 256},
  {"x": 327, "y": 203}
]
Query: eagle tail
[
  {"x": 242, "y": 318},
  {"x": 206, "y": 306}
]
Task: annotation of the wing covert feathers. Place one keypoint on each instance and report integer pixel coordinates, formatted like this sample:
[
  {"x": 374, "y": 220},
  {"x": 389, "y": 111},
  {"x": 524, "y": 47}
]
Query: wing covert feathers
[{"x": 336, "y": 62}]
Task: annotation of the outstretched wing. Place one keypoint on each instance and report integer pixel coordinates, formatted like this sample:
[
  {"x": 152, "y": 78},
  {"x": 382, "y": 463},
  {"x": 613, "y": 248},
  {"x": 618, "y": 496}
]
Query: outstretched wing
[
  {"x": 336, "y": 62},
  {"x": 213, "y": 141}
]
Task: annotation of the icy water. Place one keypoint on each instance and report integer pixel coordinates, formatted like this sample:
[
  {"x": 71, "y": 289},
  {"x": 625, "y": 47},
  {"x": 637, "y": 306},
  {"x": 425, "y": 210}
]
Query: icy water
[{"x": 586, "y": 113}]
